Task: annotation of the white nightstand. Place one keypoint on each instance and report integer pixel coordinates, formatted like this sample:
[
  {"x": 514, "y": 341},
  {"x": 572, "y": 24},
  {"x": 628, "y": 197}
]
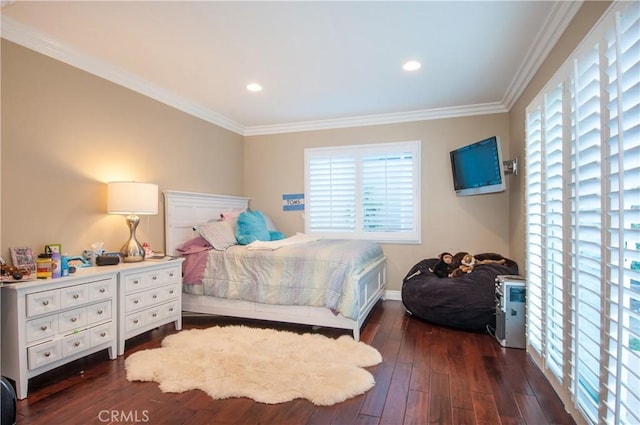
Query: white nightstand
[
  {"x": 47, "y": 323},
  {"x": 149, "y": 295}
]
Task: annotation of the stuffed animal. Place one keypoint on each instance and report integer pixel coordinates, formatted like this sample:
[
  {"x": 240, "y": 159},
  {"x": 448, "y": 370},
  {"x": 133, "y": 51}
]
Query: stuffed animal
[
  {"x": 489, "y": 261},
  {"x": 456, "y": 260},
  {"x": 441, "y": 268},
  {"x": 468, "y": 262},
  {"x": 466, "y": 265}
]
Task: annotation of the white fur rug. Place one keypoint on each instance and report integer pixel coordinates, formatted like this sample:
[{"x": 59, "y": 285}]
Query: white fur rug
[{"x": 266, "y": 365}]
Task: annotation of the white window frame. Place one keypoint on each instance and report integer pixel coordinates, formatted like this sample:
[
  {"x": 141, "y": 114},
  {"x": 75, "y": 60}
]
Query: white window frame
[{"x": 353, "y": 226}]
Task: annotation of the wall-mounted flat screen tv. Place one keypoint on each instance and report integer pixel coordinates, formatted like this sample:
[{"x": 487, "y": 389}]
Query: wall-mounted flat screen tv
[{"x": 477, "y": 168}]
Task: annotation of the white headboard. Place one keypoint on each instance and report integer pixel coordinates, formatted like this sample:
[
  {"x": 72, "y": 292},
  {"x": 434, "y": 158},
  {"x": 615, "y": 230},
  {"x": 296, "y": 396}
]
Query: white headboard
[{"x": 185, "y": 210}]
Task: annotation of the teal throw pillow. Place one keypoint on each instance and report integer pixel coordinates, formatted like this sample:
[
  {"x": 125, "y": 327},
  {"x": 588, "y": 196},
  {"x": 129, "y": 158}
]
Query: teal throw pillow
[
  {"x": 252, "y": 227},
  {"x": 276, "y": 235}
]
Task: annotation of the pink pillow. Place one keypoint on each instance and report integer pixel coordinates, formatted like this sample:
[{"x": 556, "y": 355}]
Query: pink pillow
[{"x": 226, "y": 215}]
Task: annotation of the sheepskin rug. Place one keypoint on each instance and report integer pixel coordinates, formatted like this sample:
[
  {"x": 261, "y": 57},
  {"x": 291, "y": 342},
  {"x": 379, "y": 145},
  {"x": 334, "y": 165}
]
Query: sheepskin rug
[{"x": 266, "y": 365}]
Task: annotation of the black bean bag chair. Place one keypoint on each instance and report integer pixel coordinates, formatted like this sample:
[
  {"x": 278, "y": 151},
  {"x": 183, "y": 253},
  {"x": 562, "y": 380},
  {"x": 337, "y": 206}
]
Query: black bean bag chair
[{"x": 463, "y": 302}]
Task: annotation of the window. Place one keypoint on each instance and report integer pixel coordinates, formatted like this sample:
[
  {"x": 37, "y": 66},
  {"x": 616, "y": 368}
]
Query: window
[
  {"x": 583, "y": 223},
  {"x": 364, "y": 192}
]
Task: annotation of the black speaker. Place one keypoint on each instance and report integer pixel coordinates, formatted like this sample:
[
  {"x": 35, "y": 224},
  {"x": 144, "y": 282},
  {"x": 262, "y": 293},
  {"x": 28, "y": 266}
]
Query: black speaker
[
  {"x": 8, "y": 410},
  {"x": 107, "y": 260}
]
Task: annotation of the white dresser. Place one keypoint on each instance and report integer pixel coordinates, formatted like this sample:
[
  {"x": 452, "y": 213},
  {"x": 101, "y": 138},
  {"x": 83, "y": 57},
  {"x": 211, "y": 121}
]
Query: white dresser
[
  {"x": 149, "y": 295},
  {"x": 47, "y": 323}
]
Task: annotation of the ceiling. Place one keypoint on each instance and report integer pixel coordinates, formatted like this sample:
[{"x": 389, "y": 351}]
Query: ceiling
[{"x": 321, "y": 64}]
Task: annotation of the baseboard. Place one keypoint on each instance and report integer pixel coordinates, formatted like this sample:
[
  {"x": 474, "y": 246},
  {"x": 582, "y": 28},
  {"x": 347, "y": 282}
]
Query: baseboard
[{"x": 393, "y": 295}]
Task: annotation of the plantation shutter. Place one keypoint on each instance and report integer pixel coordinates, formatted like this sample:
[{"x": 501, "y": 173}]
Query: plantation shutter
[
  {"x": 553, "y": 227},
  {"x": 622, "y": 165},
  {"x": 388, "y": 193},
  {"x": 534, "y": 191},
  {"x": 587, "y": 230},
  {"x": 332, "y": 193},
  {"x": 582, "y": 171},
  {"x": 364, "y": 191}
]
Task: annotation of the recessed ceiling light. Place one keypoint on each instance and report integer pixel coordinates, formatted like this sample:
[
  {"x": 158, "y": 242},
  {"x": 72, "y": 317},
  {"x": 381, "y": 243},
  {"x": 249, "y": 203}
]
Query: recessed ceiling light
[
  {"x": 254, "y": 87},
  {"x": 412, "y": 66}
]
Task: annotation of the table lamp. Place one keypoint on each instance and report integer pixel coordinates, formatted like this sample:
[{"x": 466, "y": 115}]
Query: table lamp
[{"x": 133, "y": 199}]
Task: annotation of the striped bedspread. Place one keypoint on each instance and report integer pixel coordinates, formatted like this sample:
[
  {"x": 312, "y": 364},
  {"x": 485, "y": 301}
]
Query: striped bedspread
[{"x": 318, "y": 273}]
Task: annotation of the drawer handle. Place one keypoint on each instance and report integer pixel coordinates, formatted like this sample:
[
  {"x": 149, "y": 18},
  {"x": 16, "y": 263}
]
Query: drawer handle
[
  {"x": 171, "y": 291},
  {"x": 171, "y": 309},
  {"x": 102, "y": 290},
  {"x": 135, "y": 282},
  {"x": 100, "y": 311},
  {"x": 74, "y": 319},
  {"x": 43, "y": 328},
  {"x": 76, "y": 296},
  {"x": 135, "y": 320},
  {"x": 171, "y": 274},
  {"x": 103, "y": 334},
  {"x": 77, "y": 344},
  {"x": 136, "y": 301},
  {"x": 45, "y": 302},
  {"x": 47, "y": 354},
  {"x": 155, "y": 296},
  {"x": 154, "y": 314},
  {"x": 154, "y": 278}
]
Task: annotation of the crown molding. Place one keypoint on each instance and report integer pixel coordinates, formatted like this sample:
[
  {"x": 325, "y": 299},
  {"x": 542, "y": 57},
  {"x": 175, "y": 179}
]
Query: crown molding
[
  {"x": 368, "y": 120},
  {"x": 46, "y": 45},
  {"x": 556, "y": 23}
]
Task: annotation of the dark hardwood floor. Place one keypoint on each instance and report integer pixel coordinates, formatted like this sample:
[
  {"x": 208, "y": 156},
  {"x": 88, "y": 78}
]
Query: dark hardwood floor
[{"x": 429, "y": 375}]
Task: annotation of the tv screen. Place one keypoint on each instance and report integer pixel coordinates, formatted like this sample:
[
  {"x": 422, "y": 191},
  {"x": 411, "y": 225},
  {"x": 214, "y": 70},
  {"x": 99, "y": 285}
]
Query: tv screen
[{"x": 477, "y": 168}]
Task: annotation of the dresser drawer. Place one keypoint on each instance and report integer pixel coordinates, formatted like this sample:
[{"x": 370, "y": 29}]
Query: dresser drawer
[
  {"x": 43, "y": 354},
  {"x": 154, "y": 277},
  {"x": 101, "y": 289},
  {"x": 74, "y": 295},
  {"x": 75, "y": 343},
  {"x": 134, "y": 282},
  {"x": 135, "y": 302},
  {"x": 172, "y": 274},
  {"x": 154, "y": 295},
  {"x": 135, "y": 321},
  {"x": 154, "y": 314},
  {"x": 42, "y": 328},
  {"x": 171, "y": 309},
  {"x": 172, "y": 291},
  {"x": 72, "y": 319},
  {"x": 99, "y": 312},
  {"x": 43, "y": 302},
  {"x": 100, "y": 334}
]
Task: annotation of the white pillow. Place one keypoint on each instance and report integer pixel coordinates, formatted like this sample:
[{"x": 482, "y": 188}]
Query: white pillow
[{"x": 220, "y": 234}]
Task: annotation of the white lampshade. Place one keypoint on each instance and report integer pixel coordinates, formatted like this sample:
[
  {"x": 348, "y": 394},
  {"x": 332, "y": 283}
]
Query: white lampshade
[{"x": 132, "y": 198}]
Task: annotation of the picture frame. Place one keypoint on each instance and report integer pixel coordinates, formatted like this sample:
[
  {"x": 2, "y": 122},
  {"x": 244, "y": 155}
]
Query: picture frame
[
  {"x": 53, "y": 247},
  {"x": 22, "y": 257}
]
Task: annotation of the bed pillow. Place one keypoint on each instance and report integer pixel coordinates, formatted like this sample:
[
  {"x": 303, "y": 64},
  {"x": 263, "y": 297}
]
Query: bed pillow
[
  {"x": 274, "y": 233},
  {"x": 220, "y": 234},
  {"x": 232, "y": 214},
  {"x": 251, "y": 227}
]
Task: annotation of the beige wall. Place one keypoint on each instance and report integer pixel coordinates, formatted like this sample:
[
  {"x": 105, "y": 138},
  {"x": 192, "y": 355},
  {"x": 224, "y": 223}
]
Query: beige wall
[
  {"x": 275, "y": 166},
  {"x": 585, "y": 19},
  {"x": 65, "y": 133}
]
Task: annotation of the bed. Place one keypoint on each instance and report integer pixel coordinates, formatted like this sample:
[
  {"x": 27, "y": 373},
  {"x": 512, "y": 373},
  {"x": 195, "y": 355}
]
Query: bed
[
  {"x": 464, "y": 302},
  {"x": 364, "y": 284}
]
